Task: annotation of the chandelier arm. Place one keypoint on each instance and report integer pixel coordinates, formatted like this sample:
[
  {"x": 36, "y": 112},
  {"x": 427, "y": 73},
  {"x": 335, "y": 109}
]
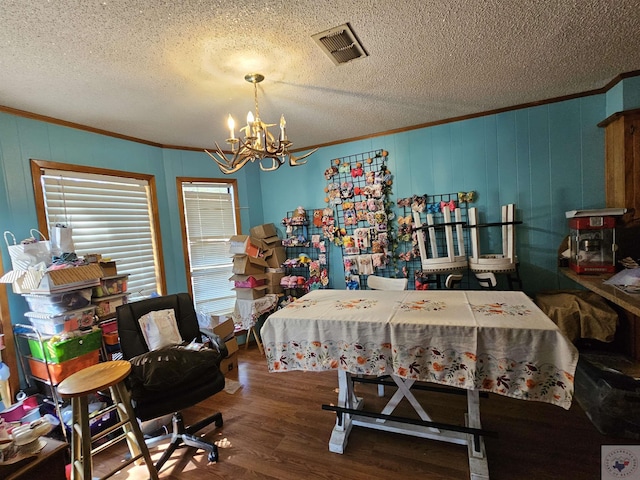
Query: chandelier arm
[
  {"x": 277, "y": 162},
  {"x": 228, "y": 166},
  {"x": 295, "y": 161}
]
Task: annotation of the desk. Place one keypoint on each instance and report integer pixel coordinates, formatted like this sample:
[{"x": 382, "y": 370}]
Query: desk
[
  {"x": 492, "y": 341},
  {"x": 629, "y": 307}
]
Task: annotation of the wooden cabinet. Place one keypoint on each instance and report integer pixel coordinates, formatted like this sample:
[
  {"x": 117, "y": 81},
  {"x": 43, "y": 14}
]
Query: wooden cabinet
[{"x": 622, "y": 163}]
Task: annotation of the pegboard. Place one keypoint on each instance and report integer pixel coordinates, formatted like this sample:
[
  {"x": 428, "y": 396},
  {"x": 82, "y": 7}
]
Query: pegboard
[{"x": 358, "y": 190}]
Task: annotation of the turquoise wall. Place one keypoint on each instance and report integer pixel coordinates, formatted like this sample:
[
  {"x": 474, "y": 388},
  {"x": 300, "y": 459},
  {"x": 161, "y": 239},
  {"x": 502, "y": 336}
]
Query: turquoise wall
[
  {"x": 22, "y": 139},
  {"x": 545, "y": 159}
]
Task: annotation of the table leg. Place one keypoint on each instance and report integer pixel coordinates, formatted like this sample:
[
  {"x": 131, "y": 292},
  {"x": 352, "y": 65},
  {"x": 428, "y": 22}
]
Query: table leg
[
  {"x": 478, "y": 466},
  {"x": 258, "y": 342},
  {"x": 404, "y": 391},
  {"x": 346, "y": 399}
]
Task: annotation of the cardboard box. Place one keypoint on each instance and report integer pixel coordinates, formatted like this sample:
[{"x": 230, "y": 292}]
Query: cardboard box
[
  {"x": 273, "y": 282},
  {"x": 244, "y": 245},
  {"x": 251, "y": 293},
  {"x": 248, "y": 281},
  {"x": 246, "y": 265},
  {"x": 71, "y": 278},
  {"x": 223, "y": 329},
  {"x": 264, "y": 231},
  {"x": 268, "y": 243},
  {"x": 229, "y": 365},
  {"x": 108, "y": 268},
  {"x": 275, "y": 257},
  {"x": 226, "y": 330}
]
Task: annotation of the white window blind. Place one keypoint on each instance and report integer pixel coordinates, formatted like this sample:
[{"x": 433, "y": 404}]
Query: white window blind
[
  {"x": 110, "y": 216},
  {"x": 210, "y": 222}
]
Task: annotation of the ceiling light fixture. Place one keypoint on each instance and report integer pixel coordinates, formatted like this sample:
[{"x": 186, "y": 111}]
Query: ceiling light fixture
[{"x": 258, "y": 144}]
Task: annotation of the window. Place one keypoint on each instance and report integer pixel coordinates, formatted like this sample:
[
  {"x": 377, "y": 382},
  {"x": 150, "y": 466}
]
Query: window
[
  {"x": 110, "y": 213},
  {"x": 209, "y": 220}
]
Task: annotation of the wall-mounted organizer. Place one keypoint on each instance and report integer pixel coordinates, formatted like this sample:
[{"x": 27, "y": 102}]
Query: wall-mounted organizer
[
  {"x": 433, "y": 239},
  {"x": 358, "y": 192},
  {"x": 307, "y": 264}
]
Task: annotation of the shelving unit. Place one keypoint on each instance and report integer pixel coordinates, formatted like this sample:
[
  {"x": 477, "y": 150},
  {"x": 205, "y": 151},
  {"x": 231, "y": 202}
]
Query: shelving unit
[
  {"x": 305, "y": 237},
  {"x": 77, "y": 312},
  {"x": 25, "y": 332}
]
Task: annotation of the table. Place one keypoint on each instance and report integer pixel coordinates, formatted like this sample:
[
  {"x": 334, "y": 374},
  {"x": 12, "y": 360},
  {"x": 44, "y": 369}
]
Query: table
[
  {"x": 479, "y": 341},
  {"x": 48, "y": 463},
  {"x": 629, "y": 308},
  {"x": 247, "y": 311}
]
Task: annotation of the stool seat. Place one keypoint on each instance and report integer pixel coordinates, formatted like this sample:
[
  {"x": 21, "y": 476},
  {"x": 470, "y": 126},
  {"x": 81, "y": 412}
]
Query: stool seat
[
  {"x": 96, "y": 377},
  {"x": 77, "y": 387}
]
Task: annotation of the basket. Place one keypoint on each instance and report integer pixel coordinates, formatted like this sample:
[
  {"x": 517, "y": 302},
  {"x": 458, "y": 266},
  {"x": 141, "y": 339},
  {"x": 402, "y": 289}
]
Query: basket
[
  {"x": 60, "y": 371},
  {"x": 61, "y": 351}
]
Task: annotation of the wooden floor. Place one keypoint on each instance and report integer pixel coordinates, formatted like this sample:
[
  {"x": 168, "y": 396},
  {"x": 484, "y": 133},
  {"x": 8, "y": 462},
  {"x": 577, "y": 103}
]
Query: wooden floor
[{"x": 274, "y": 428}]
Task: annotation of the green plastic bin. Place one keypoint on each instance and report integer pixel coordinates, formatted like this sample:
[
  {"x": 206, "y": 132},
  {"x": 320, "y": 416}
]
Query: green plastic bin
[{"x": 57, "y": 352}]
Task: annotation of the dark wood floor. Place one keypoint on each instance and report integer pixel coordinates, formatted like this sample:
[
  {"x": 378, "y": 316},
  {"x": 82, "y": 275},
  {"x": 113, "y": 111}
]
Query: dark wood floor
[{"x": 274, "y": 428}]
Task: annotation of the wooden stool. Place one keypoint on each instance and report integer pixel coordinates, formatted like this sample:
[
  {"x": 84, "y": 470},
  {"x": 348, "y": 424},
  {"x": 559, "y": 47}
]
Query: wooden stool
[{"x": 90, "y": 380}]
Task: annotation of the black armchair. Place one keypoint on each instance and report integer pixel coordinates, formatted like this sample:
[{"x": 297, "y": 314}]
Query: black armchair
[{"x": 167, "y": 380}]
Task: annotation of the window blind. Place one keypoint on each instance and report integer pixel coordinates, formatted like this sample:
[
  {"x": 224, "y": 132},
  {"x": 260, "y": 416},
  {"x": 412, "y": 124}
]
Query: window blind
[
  {"x": 210, "y": 223},
  {"x": 110, "y": 216}
]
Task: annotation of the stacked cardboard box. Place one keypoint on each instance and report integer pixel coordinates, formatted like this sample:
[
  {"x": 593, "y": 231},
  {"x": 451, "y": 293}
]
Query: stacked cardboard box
[
  {"x": 257, "y": 259},
  {"x": 274, "y": 254},
  {"x": 224, "y": 328}
]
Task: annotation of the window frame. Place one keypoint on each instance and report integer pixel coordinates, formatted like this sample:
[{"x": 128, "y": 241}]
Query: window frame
[
  {"x": 183, "y": 224},
  {"x": 37, "y": 168}
]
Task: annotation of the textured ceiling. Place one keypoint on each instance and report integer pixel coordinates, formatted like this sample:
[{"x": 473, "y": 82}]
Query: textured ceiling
[{"x": 171, "y": 71}]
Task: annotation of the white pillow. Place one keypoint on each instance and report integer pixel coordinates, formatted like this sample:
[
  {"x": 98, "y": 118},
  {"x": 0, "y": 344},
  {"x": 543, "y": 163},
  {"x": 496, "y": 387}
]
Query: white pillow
[{"x": 160, "y": 329}]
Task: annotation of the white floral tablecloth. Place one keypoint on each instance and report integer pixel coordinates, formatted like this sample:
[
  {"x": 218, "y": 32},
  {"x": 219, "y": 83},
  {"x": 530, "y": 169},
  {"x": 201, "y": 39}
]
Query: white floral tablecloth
[
  {"x": 494, "y": 341},
  {"x": 246, "y": 312}
]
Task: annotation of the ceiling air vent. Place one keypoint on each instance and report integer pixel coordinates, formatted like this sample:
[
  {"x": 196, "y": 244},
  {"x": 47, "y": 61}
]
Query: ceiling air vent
[{"x": 340, "y": 44}]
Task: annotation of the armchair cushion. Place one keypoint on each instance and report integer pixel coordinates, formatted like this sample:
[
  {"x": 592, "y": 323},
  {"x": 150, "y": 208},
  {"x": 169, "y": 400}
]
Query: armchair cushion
[{"x": 172, "y": 366}]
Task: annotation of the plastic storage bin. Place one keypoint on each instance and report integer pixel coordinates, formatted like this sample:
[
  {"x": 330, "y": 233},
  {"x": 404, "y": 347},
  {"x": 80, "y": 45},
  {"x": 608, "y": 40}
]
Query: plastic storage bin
[
  {"x": 111, "y": 338},
  {"x": 58, "y": 303},
  {"x": 61, "y": 351},
  {"x": 52, "y": 324},
  {"x": 610, "y": 399},
  {"x": 106, "y": 306},
  {"x": 60, "y": 371},
  {"x": 111, "y": 286}
]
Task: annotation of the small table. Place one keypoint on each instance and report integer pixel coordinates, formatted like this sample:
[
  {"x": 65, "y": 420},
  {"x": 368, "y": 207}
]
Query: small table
[
  {"x": 49, "y": 463},
  {"x": 247, "y": 311},
  {"x": 490, "y": 341}
]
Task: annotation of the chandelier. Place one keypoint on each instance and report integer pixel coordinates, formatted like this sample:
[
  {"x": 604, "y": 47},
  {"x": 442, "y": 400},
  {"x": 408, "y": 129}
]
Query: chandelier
[{"x": 258, "y": 143}]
